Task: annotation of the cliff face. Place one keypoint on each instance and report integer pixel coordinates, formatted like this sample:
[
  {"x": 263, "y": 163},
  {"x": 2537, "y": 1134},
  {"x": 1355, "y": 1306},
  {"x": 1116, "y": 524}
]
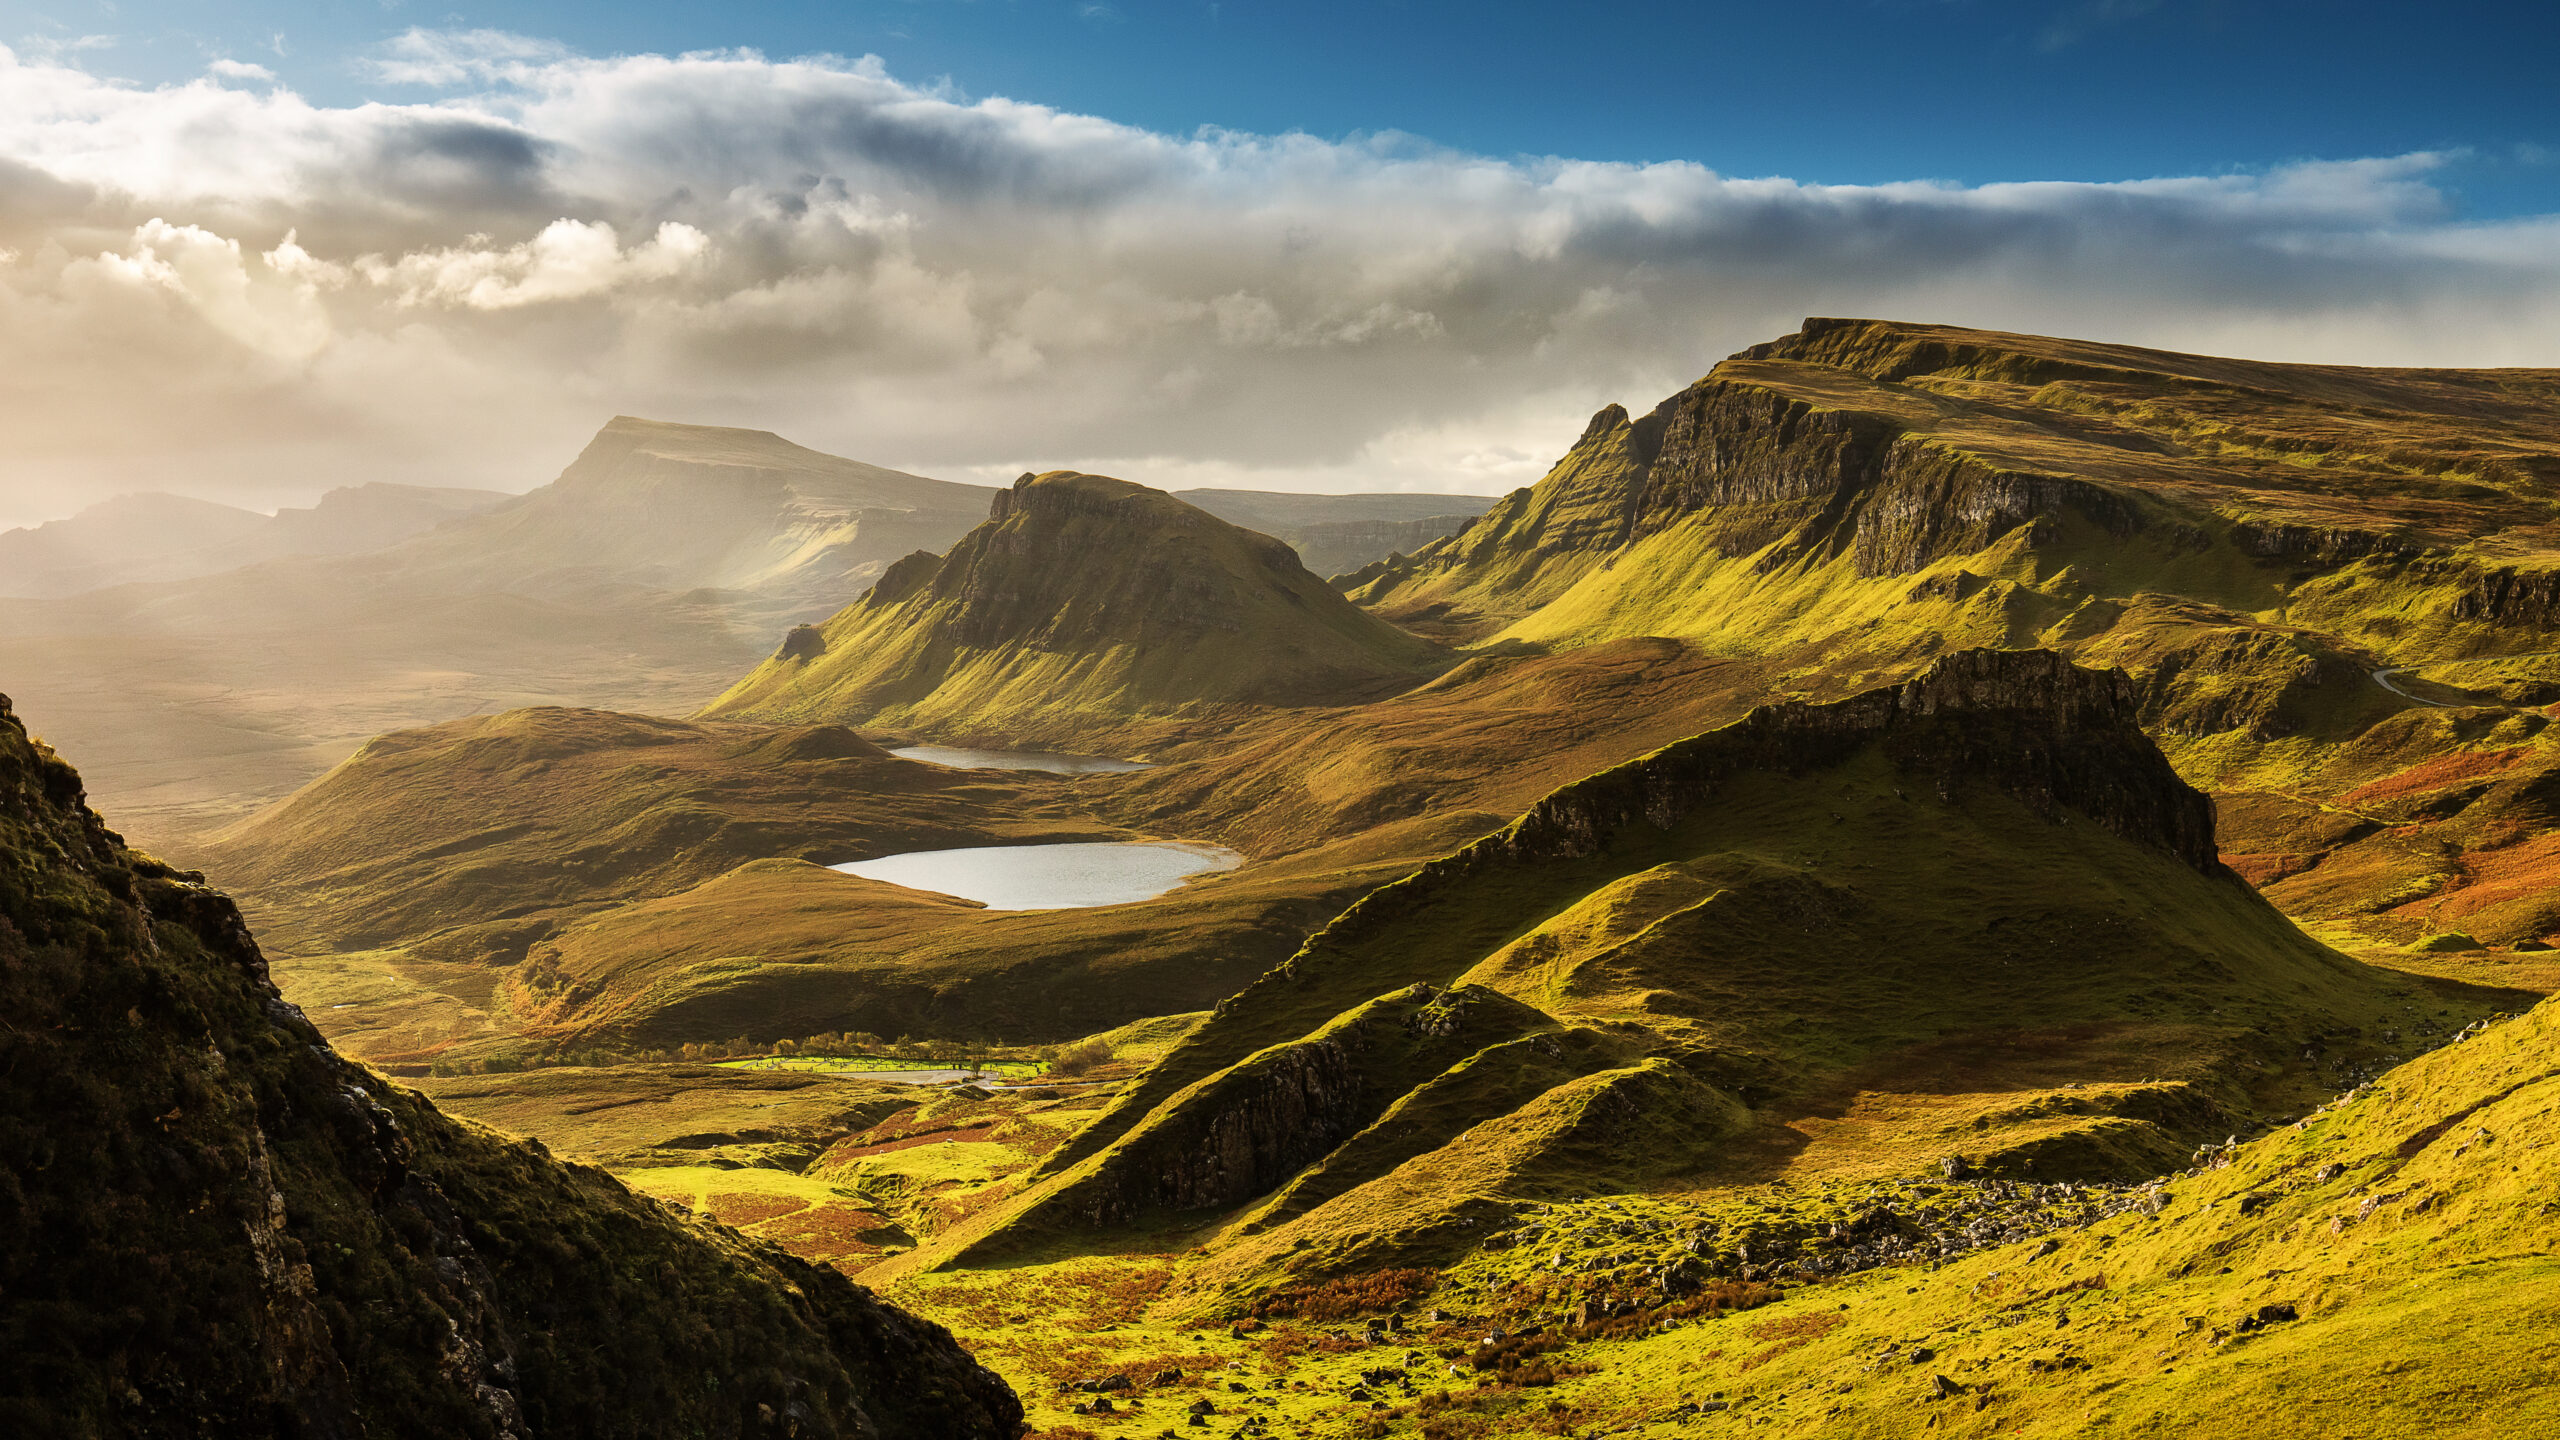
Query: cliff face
[
  {"x": 2030, "y": 723},
  {"x": 1870, "y": 450},
  {"x": 1084, "y": 602},
  {"x": 211, "y": 1224}
]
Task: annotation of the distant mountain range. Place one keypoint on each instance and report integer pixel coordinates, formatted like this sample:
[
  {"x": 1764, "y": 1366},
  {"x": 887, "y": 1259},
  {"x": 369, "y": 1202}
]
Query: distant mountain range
[
  {"x": 230, "y": 657},
  {"x": 136, "y": 539},
  {"x": 1337, "y": 533}
]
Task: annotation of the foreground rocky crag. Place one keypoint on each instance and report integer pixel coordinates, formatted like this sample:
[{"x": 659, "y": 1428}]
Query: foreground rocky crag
[
  {"x": 1973, "y": 920},
  {"x": 211, "y": 1224}
]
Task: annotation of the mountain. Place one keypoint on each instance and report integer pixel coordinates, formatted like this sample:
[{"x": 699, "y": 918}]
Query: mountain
[
  {"x": 215, "y": 1225},
  {"x": 135, "y": 539},
  {"x": 1082, "y": 604},
  {"x": 683, "y": 507},
  {"x": 657, "y": 567},
  {"x": 1337, "y": 533},
  {"x": 2328, "y": 582},
  {"x": 1973, "y": 917},
  {"x": 1873, "y": 451}
]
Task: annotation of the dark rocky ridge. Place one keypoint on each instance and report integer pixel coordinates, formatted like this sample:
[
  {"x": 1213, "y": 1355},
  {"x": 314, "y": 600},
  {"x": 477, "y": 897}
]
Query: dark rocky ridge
[
  {"x": 212, "y": 1224},
  {"x": 2029, "y": 722}
]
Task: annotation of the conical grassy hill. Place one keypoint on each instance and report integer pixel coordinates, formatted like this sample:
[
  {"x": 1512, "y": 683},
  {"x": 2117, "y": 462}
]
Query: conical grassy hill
[
  {"x": 1082, "y": 604},
  {"x": 1974, "y": 919},
  {"x": 210, "y": 1224}
]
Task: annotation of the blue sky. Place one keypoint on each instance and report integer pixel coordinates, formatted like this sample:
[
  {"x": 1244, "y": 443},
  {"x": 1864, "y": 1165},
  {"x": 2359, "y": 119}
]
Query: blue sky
[{"x": 1829, "y": 91}]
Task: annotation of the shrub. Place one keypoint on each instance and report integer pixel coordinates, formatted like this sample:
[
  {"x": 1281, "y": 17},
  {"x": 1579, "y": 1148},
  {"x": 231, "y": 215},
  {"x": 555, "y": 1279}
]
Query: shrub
[
  {"x": 1372, "y": 1294},
  {"x": 1079, "y": 1058}
]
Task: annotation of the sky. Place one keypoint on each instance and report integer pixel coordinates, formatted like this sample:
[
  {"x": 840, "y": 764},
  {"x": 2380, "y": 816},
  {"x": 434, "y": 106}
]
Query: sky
[{"x": 249, "y": 251}]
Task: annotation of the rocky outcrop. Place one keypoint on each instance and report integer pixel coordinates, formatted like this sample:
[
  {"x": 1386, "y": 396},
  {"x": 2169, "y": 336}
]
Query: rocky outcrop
[
  {"x": 803, "y": 642},
  {"x": 2528, "y": 599},
  {"x": 2323, "y": 546},
  {"x": 2029, "y": 723},
  {"x": 210, "y": 1224}
]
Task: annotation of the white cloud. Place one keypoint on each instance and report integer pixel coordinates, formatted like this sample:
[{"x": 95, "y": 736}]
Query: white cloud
[
  {"x": 981, "y": 286},
  {"x": 272, "y": 308},
  {"x": 241, "y": 70},
  {"x": 443, "y": 58},
  {"x": 569, "y": 260}
]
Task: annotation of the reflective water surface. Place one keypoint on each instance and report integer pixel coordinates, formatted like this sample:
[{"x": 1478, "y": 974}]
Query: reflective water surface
[
  {"x": 960, "y": 758},
  {"x": 1048, "y": 877}
]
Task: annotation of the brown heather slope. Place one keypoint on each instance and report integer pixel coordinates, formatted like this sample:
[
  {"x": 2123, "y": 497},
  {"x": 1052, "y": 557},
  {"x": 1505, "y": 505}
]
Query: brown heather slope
[
  {"x": 659, "y": 565},
  {"x": 213, "y": 1225},
  {"x": 1975, "y": 915},
  {"x": 442, "y": 857},
  {"x": 566, "y": 878},
  {"x": 1083, "y": 606}
]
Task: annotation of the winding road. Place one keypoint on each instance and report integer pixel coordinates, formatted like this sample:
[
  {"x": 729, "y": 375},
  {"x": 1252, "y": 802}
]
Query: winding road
[
  {"x": 2383, "y": 676},
  {"x": 2383, "y": 679}
]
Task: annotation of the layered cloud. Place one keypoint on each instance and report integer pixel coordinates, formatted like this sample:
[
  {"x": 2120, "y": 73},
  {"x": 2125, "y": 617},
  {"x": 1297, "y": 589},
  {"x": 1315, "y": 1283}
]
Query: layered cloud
[{"x": 222, "y": 288}]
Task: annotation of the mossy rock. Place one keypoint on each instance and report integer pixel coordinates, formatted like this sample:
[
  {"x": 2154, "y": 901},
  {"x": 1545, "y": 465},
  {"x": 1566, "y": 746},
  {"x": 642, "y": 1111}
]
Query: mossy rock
[{"x": 2445, "y": 942}]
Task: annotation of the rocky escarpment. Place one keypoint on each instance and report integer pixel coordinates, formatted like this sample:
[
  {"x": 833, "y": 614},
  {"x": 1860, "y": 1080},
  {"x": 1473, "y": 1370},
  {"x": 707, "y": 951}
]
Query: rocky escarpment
[
  {"x": 1858, "y": 450},
  {"x": 2510, "y": 598},
  {"x": 2029, "y": 723},
  {"x": 1762, "y": 465},
  {"x": 210, "y": 1224}
]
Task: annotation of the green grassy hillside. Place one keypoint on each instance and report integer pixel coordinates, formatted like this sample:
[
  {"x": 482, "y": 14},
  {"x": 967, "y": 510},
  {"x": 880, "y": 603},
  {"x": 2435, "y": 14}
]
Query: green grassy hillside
[
  {"x": 1976, "y": 918},
  {"x": 2323, "y": 579},
  {"x": 1083, "y": 604},
  {"x": 213, "y": 1225}
]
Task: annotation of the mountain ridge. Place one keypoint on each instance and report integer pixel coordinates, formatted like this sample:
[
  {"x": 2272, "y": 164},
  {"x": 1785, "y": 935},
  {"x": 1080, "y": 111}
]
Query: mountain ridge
[
  {"x": 156, "y": 536},
  {"x": 1632, "y": 924}
]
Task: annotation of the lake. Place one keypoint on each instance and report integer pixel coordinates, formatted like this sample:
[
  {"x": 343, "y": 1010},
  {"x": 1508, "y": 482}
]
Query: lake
[
  {"x": 1049, "y": 877},
  {"x": 962, "y": 758}
]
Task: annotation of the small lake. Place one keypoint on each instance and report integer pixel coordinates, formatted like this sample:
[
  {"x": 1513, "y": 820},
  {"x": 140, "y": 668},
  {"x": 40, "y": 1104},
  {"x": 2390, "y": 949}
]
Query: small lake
[
  {"x": 961, "y": 758},
  {"x": 1049, "y": 877}
]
